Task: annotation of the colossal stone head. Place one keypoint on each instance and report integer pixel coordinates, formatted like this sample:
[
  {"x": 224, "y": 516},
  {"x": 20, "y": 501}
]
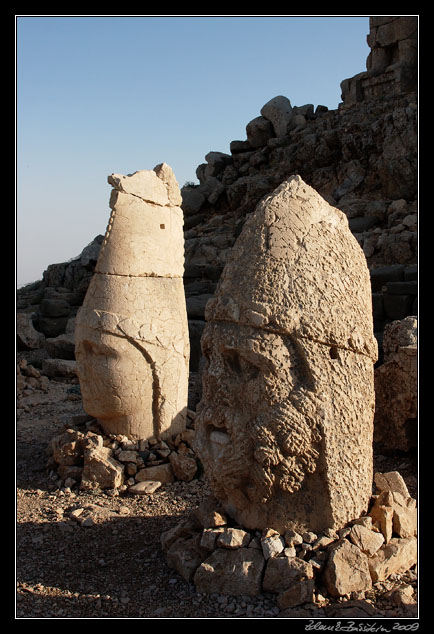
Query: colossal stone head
[
  {"x": 284, "y": 428},
  {"x": 131, "y": 335}
]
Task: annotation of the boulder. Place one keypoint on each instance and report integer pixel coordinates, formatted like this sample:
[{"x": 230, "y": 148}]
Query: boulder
[
  {"x": 367, "y": 540},
  {"x": 28, "y": 338},
  {"x": 160, "y": 473},
  {"x": 396, "y": 386},
  {"x": 291, "y": 578},
  {"x": 395, "y": 557},
  {"x": 60, "y": 368},
  {"x": 346, "y": 570},
  {"x": 101, "y": 470},
  {"x": 234, "y": 572},
  {"x": 279, "y": 111},
  {"x": 259, "y": 130},
  {"x": 61, "y": 347},
  {"x": 184, "y": 466}
]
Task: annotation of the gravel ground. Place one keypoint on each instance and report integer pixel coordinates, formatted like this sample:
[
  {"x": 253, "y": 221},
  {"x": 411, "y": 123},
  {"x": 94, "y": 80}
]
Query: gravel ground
[{"x": 115, "y": 568}]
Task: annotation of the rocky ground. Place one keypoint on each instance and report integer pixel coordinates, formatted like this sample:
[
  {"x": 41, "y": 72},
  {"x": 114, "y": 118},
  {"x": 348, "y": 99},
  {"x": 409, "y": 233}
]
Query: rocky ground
[{"x": 112, "y": 566}]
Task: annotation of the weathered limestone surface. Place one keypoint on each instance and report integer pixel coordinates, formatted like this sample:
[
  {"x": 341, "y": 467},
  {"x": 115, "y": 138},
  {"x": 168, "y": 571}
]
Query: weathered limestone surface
[
  {"x": 131, "y": 334},
  {"x": 284, "y": 428},
  {"x": 392, "y": 60},
  {"x": 217, "y": 557},
  {"x": 396, "y": 386}
]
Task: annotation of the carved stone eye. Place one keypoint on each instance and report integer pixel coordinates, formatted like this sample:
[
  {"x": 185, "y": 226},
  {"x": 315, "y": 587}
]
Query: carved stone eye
[
  {"x": 232, "y": 359},
  {"x": 239, "y": 365}
]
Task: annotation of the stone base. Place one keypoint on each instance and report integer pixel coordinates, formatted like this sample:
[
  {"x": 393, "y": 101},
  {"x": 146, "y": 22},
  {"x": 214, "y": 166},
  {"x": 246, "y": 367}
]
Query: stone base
[{"x": 209, "y": 550}]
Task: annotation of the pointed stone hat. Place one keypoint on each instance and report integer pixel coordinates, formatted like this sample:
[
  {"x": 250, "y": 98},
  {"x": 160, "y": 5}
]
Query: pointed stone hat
[
  {"x": 297, "y": 269},
  {"x": 144, "y": 236},
  {"x": 137, "y": 288}
]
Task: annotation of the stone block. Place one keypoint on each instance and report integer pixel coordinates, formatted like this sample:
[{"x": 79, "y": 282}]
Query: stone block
[
  {"x": 395, "y": 557},
  {"x": 383, "y": 274},
  {"x": 347, "y": 570},
  {"x": 397, "y": 306},
  {"x": 259, "y": 130},
  {"x": 235, "y": 572}
]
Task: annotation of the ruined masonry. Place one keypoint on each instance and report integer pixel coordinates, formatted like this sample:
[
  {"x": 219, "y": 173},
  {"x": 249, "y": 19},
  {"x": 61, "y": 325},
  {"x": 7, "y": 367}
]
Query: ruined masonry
[{"x": 131, "y": 333}]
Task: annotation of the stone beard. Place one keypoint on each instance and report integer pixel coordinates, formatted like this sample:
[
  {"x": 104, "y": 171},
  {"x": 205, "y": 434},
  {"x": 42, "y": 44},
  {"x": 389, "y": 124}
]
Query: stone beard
[{"x": 284, "y": 428}]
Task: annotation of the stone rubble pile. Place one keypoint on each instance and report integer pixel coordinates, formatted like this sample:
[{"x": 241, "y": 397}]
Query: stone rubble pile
[
  {"x": 86, "y": 458},
  {"x": 209, "y": 550},
  {"x": 396, "y": 384},
  {"x": 29, "y": 379},
  {"x": 361, "y": 157}
]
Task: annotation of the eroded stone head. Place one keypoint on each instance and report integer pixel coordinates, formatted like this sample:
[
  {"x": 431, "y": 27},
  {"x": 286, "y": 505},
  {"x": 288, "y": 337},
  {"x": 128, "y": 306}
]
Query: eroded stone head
[
  {"x": 284, "y": 428},
  {"x": 132, "y": 345}
]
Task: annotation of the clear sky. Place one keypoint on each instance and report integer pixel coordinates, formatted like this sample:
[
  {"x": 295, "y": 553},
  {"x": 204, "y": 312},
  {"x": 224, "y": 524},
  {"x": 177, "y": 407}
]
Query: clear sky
[{"x": 97, "y": 95}]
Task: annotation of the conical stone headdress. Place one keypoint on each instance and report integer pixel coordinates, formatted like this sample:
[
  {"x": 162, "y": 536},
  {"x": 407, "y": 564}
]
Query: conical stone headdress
[{"x": 297, "y": 268}]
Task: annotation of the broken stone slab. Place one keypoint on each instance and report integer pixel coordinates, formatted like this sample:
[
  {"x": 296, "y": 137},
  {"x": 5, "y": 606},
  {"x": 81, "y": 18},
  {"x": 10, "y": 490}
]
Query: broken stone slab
[
  {"x": 209, "y": 514},
  {"x": 100, "y": 470},
  {"x": 302, "y": 592},
  {"x": 234, "y": 572},
  {"x": 398, "y": 556},
  {"x": 400, "y": 519},
  {"x": 183, "y": 529},
  {"x": 382, "y": 518},
  {"x": 209, "y": 538},
  {"x": 68, "y": 448},
  {"x": 391, "y": 481},
  {"x": 291, "y": 578},
  {"x": 147, "y": 487},
  {"x": 283, "y": 572},
  {"x": 346, "y": 570},
  {"x": 64, "y": 368},
  {"x": 292, "y": 538},
  {"x": 404, "y": 522},
  {"x": 160, "y": 473},
  {"x": 185, "y": 555},
  {"x": 272, "y": 545},
  {"x": 367, "y": 540},
  {"x": 184, "y": 467},
  {"x": 232, "y": 538}
]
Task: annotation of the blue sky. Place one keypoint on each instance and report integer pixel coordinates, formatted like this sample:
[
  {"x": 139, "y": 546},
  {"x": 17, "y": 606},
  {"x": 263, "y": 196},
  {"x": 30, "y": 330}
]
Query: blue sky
[{"x": 103, "y": 94}]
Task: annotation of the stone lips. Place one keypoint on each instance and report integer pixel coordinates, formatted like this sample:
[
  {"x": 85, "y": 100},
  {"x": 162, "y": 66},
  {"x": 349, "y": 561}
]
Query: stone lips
[{"x": 293, "y": 236}]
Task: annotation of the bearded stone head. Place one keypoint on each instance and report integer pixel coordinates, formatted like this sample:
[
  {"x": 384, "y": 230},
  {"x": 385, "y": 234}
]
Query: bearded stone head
[{"x": 284, "y": 427}]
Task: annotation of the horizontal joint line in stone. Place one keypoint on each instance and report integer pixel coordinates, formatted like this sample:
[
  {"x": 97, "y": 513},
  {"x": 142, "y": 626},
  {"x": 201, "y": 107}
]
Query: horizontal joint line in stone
[
  {"x": 163, "y": 277},
  {"x": 296, "y": 335}
]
